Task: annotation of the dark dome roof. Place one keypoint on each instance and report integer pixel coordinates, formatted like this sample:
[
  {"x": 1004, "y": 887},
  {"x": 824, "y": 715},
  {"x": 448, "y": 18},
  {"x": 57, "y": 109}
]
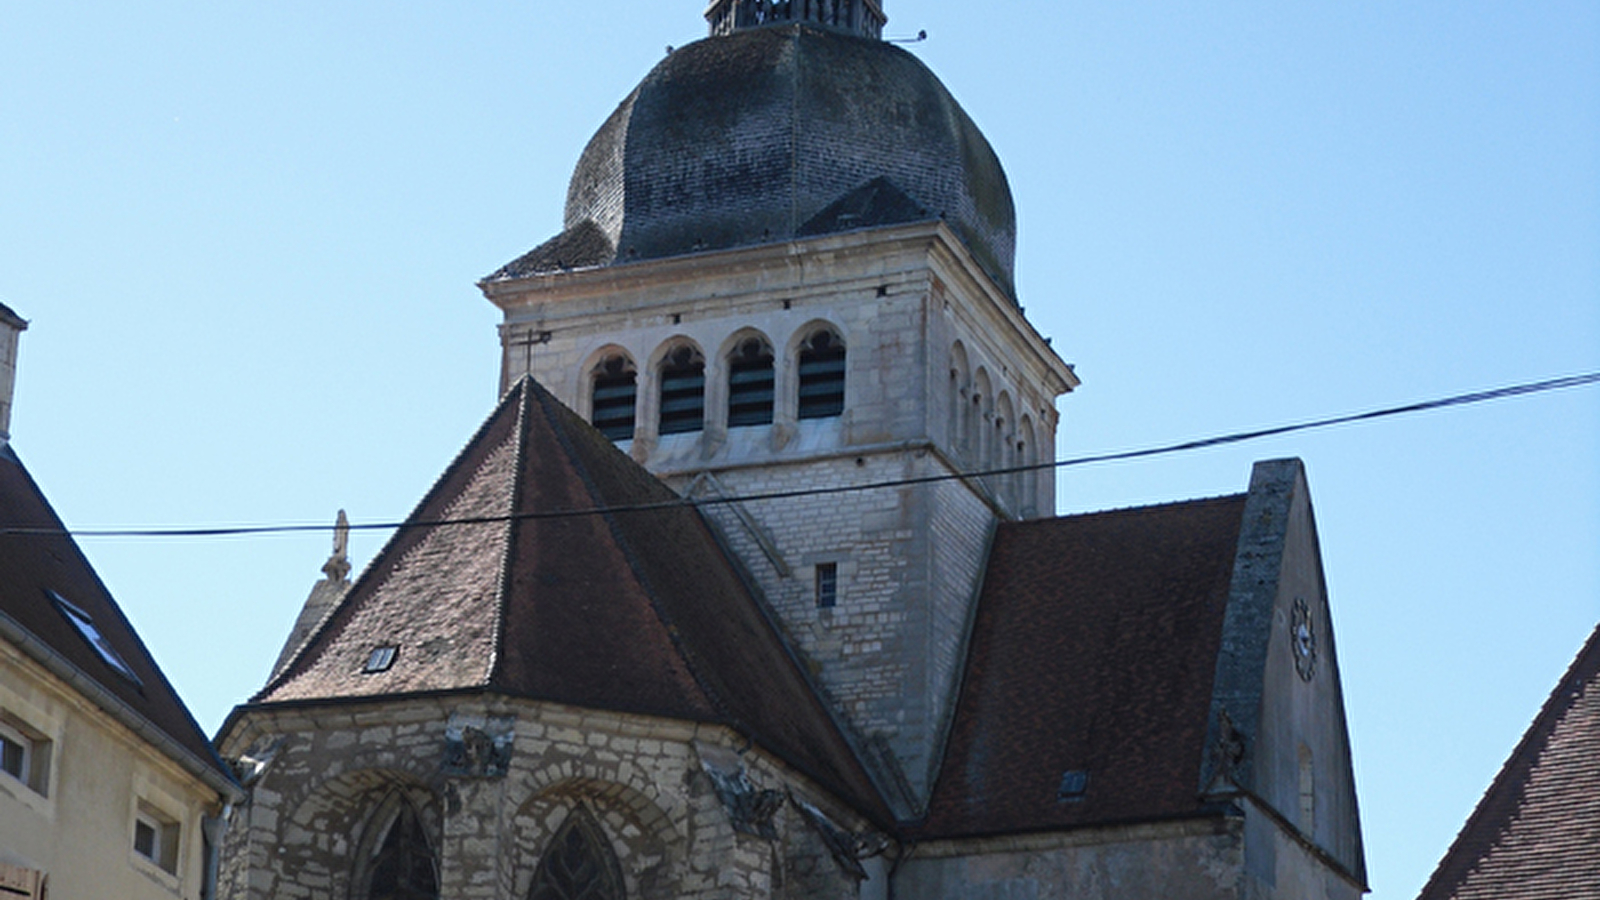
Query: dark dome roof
[{"x": 774, "y": 133}]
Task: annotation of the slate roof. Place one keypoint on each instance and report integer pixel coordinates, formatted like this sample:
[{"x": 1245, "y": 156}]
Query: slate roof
[
  {"x": 45, "y": 564},
  {"x": 746, "y": 138},
  {"x": 633, "y": 611},
  {"x": 1536, "y": 833},
  {"x": 1093, "y": 650}
]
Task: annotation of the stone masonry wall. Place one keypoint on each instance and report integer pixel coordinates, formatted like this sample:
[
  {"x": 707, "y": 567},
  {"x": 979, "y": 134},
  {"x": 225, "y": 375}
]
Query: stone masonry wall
[
  {"x": 1198, "y": 860},
  {"x": 333, "y": 778}
]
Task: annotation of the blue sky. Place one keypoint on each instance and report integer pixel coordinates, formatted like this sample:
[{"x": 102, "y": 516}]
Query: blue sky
[{"x": 247, "y": 236}]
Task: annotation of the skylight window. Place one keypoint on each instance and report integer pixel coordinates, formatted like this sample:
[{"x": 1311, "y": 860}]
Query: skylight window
[
  {"x": 381, "y": 658},
  {"x": 85, "y": 625},
  {"x": 1074, "y": 785}
]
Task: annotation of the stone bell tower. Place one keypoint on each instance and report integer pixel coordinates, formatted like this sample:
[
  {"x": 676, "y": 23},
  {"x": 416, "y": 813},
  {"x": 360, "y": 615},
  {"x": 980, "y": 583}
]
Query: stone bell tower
[{"x": 785, "y": 269}]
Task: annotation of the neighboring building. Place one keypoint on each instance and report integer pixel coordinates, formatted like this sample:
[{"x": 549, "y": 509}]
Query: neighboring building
[
  {"x": 1536, "y": 833},
  {"x": 107, "y": 786},
  {"x": 860, "y": 663}
]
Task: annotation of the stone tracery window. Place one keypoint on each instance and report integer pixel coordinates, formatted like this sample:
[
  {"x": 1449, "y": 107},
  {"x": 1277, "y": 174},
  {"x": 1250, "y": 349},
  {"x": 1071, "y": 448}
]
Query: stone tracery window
[
  {"x": 615, "y": 387},
  {"x": 578, "y": 863},
  {"x": 683, "y": 390},
  {"x": 750, "y": 383},
  {"x": 821, "y": 375},
  {"x": 403, "y": 867}
]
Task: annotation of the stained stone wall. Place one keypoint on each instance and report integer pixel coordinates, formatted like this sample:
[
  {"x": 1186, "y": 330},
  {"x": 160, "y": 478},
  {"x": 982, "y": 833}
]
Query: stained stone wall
[
  {"x": 492, "y": 781},
  {"x": 1197, "y": 860}
]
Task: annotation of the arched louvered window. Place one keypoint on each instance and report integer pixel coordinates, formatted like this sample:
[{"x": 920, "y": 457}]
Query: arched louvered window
[
  {"x": 750, "y": 383},
  {"x": 683, "y": 391},
  {"x": 615, "y": 386},
  {"x": 821, "y": 376},
  {"x": 403, "y": 867},
  {"x": 959, "y": 387},
  {"x": 578, "y": 863}
]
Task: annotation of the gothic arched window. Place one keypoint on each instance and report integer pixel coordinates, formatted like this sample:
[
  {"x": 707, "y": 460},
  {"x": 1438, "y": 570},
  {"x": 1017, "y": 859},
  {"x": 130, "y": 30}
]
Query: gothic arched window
[
  {"x": 578, "y": 863},
  {"x": 615, "y": 388},
  {"x": 402, "y": 868},
  {"x": 821, "y": 375},
  {"x": 683, "y": 391},
  {"x": 750, "y": 383}
]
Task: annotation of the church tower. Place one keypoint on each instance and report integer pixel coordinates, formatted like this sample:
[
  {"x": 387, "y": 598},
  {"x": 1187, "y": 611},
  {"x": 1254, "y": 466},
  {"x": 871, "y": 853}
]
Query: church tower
[
  {"x": 867, "y": 662},
  {"x": 787, "y": 265}
]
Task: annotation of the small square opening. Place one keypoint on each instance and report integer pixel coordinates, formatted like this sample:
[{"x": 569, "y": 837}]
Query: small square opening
[
  {"x": 155, "y": 837},
  {"x": 24, "y": 754}
]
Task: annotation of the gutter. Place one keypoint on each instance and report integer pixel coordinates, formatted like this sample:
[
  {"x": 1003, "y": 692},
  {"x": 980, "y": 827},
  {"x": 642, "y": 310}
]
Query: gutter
[{"x": 208, "y": 771}]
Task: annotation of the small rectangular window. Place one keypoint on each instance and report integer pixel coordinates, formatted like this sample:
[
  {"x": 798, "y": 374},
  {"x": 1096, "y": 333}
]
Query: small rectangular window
[
  {"x": 827, "y": 585},
  {"x": 381, "y": 658},
  {"x": 13, "y": 756},
  {"x": 155, "y": 837},
  {"x": 24, "y": 754},
  {"x": 1074, "y": 786}
]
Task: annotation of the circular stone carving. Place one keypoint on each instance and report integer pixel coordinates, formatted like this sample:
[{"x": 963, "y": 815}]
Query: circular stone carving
[{"x": 1303, "y": 639}]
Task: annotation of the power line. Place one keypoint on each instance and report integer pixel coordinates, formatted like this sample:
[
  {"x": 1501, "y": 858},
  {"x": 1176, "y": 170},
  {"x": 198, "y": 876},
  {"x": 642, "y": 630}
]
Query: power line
[{"x": 1237, "y": 437}]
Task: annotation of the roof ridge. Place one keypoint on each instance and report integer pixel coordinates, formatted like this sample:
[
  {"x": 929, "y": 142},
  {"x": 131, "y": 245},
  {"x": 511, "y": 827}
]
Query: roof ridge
[
  {"x": 293, "y": 665},
  {"x": 619, "y": 536},
  {"x": 513, "y": 528},
  {"x": 1139, "y": 508}
]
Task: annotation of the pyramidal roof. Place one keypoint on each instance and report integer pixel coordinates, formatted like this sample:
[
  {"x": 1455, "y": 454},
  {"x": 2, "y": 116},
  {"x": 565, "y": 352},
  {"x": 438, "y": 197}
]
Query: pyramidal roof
[
  {"x": 1536, "y": 833},
  {"x": 546, "y": 564}
]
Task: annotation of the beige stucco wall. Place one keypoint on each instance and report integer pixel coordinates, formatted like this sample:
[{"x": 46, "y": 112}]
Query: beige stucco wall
[{"x": 79, "y": 827}]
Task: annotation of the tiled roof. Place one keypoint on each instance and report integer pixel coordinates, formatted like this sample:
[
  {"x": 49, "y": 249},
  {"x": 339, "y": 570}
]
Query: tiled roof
[
  {"x": 630, "y": 611},
  {"x": 1093, "y": 652},
  {"x": 48, "y": 590},
  {"x": 1536, "y": 833}
]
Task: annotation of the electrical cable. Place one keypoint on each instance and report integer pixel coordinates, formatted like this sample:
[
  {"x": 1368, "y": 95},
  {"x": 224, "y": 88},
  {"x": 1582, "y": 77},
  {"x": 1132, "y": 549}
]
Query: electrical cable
[{"x": 1516, "y": 390}]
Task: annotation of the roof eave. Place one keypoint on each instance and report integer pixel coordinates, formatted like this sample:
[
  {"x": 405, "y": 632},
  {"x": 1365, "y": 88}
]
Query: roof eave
[{"x": 212, "y": 772}]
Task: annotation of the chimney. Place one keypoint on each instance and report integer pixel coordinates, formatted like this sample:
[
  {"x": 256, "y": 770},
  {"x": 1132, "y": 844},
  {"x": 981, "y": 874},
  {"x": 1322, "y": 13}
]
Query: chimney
[{"x": 11, "y": 327}]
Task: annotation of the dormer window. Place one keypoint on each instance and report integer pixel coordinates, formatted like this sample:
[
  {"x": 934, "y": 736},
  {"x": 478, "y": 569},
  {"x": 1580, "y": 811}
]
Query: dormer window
[
  {"x": 86, "y": 628},
  {"x": 822, "y": 376},
  {"x": 683, "y": 391},
  {"x": 750, "y": 380}
]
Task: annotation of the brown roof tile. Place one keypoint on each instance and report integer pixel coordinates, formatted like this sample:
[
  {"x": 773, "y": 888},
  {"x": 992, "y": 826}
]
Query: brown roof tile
[
  {"x": 1536, "y": 833},
  {"x": 635, "y": 611},
  {"x": 1093, "y": 650}
]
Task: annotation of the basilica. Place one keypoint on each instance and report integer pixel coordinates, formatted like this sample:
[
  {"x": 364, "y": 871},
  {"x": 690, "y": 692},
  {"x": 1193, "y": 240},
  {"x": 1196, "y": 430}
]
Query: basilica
[{"x": 750, "y": 586}]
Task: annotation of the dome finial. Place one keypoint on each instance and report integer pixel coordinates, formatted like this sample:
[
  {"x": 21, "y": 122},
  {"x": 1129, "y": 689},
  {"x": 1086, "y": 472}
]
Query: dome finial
[{"x": 860, "y": 17}]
